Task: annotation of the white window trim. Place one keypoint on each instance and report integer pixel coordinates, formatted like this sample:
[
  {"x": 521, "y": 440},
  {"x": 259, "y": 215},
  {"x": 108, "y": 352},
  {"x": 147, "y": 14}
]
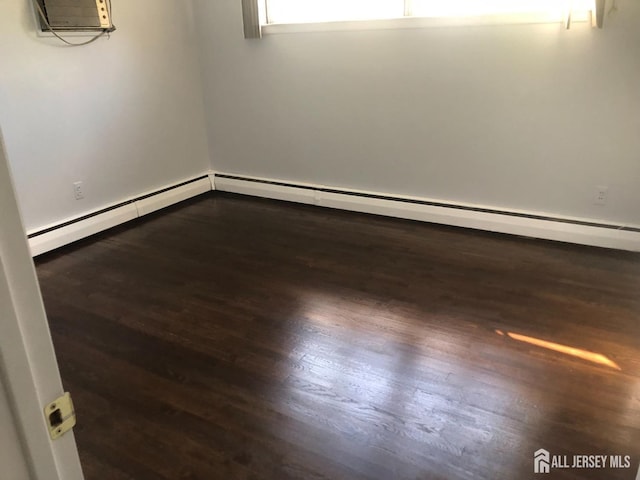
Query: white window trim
[{"x": 418, "y": 22}]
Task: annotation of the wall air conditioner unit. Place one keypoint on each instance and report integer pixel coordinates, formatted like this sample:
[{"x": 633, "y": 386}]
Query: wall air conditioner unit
[{"x": 74, "y": 15}]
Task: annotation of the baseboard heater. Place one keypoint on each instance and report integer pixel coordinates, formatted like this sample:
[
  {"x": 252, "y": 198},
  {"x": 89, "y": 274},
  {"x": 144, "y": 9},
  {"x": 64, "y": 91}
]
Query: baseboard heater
[
  {"x": 584, "y": 232},
  {"x": 529, "y": 224},
  {"x": 48, "y": 238}
]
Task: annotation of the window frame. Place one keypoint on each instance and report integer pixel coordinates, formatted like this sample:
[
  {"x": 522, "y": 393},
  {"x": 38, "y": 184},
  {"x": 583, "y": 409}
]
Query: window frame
[{"x": 258, "y": 15}]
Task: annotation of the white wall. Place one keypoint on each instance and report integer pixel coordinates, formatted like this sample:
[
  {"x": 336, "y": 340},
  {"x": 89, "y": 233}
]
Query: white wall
[
  {"x": 525, "y": 116},
  {"x": 123, "y": 115}
]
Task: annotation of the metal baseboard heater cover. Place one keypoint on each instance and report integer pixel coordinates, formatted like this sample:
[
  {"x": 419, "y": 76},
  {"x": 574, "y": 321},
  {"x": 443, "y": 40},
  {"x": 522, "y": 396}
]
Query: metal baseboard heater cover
[{"x": 431, "y": 203}]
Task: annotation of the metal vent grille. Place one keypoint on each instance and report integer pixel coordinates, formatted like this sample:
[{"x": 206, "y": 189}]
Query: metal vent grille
[{"x": 70, "y": 15}]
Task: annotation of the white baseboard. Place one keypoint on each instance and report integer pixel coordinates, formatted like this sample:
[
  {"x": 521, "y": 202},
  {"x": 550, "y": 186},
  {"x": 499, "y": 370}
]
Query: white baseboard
[
  {"x": 267, "y": 190},
  {"x": 77, "y": 228},
  {"x": 579, "y": 231},
  {"x": 75, "y": 231},
  {"x": 48, "y": 238},
  {"x": 170, "y": 197}
]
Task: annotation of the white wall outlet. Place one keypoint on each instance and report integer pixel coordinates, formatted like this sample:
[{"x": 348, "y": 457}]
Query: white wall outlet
[
  {"x": 78, "y": 190},
  {"x": 601, "y": 194}
]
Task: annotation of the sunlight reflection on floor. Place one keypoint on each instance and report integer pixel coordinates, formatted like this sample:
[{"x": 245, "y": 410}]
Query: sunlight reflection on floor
[{"x": 556, "y": 347}]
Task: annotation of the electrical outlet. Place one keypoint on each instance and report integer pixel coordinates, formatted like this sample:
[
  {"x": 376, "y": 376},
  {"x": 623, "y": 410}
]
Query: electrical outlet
[
  {"x": 78, "y": 190},
  {"x": 601, "y": 194}
]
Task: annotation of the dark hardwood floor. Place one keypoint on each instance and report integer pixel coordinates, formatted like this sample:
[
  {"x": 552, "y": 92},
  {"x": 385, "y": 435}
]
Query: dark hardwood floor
[{"x": 238, "y": 338}]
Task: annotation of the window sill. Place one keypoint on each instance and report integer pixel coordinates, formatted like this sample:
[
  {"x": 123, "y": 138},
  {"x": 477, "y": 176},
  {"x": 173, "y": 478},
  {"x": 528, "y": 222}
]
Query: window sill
[{"x": 422, "y": 22}]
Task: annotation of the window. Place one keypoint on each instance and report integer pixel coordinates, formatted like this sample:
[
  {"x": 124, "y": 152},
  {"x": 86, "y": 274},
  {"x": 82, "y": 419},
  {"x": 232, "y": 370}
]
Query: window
[
  {"x": 445, "y": 8},
  {"x": 314, "y": 11},
  {"x": 321, "y": 15},
  {"x": 311, "y": 11}
]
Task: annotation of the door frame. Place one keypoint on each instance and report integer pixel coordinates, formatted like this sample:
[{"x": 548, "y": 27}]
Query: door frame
[{"x": 28, "y": 363}]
